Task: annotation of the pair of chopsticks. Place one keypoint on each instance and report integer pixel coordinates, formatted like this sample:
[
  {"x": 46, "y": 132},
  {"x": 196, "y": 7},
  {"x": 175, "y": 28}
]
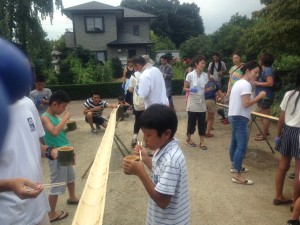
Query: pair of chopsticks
[
  {"x": 47, "y": 186},
  {"x": 140, "y": 143}
]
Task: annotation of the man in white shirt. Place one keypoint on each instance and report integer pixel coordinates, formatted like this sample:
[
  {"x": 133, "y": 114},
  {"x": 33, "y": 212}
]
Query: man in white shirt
[{"x": 151, "y": 84}]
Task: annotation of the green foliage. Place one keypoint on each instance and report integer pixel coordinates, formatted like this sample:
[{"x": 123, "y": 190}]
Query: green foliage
[
  {"x": 20, "y": 20},
  {"x": 275, "y": 29},
  {"x": 51, "y": 76},
  {"x": 116, "y": 65},
  {"x": 197, "y": 45},
  {"x": 287, "y": 62},
  {"x": 174, "y": 21},
  {"x": 161, "y": 43},
  {"x": 226, "y": 38},
  {"x": 179, "y": 69},
  {"x": 84, "y": 55}
]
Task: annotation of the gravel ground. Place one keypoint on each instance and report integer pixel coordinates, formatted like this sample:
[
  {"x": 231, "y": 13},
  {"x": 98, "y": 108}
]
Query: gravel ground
[{"x": 214, "y": 198}]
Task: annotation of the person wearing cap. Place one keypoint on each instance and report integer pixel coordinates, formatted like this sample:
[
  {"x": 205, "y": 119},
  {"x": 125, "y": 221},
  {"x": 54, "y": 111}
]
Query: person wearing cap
[
  {"x": 210, "y": 100},
  {"x": 151, "y": 83},
  {"x": 167, "y": 72}
]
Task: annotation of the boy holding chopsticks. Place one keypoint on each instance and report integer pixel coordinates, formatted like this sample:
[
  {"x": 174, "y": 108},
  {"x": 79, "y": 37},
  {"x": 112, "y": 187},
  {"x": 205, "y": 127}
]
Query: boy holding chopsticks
[
  {"x": 168, "y": 184},
  {"x": 56, "y": 137}
]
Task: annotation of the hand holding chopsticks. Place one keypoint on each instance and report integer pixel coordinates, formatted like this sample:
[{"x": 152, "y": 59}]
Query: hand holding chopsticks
[{"x": 46, "y": 186}]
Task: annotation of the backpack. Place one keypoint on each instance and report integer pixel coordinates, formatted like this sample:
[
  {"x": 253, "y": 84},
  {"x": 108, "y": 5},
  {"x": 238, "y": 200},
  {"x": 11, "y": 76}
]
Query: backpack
[{"x": 138, "y": 102}]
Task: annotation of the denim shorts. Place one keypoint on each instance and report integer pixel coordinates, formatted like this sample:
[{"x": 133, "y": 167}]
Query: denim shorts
[{"x": 265, "y": 103}]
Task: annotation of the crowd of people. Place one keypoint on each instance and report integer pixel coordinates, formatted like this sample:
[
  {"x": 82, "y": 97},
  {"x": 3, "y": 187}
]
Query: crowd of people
[{"x": 148, "y": 91}]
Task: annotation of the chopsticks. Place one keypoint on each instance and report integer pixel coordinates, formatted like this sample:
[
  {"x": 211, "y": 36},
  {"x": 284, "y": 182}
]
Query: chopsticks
[
  {"x": 140, "y": 143},
  {"x": 47, "y": 186}
]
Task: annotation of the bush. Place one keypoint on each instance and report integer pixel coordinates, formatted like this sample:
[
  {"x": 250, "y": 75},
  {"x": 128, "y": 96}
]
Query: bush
[
  {"x": 117, "y": 67},
  {"x": 51, "y": 76},
  {"x": 287, "y": 63},
  {"x": 179, "y": 69}
]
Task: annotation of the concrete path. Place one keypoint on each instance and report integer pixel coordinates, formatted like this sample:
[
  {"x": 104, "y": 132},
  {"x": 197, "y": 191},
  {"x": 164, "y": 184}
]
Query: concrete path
[{"x": 215, "y": 200}]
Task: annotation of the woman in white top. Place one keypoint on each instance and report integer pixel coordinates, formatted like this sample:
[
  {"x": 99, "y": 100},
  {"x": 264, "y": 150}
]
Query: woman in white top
[
  {"x": 288, "y": 144},
  {"x": 196, "y": 107},
  {"x": 239, "y": 115}
]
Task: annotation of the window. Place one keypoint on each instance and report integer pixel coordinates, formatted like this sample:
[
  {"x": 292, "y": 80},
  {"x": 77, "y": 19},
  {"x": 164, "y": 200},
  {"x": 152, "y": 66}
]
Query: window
[
  {"x": 136, "y": 30},
  {"x": 101, "y": 56},
  {"x": 94, "y": 24}
]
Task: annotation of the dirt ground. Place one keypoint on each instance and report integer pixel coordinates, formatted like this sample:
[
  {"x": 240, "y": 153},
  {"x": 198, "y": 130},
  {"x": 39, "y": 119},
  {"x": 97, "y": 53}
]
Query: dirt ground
[{"x": 214, "y": 198}]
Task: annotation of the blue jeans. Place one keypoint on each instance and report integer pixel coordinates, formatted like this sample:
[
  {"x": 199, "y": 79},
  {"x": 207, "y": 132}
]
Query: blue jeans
[{"x": 239, "y": 140}]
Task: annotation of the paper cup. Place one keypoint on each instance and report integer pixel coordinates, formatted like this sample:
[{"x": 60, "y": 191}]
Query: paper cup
[
  {"x": 133, "y": 158},
  {"x": 65, "y": 156},
  {"x": 71, "y": 125}
]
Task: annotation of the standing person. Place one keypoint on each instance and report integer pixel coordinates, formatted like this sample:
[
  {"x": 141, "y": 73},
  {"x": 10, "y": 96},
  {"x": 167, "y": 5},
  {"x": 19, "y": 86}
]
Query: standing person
[
  {"x": 138, "y": 106},
  {"x": 56, "y": 136},
  {"x": 25, "y": 130},
  {"x": 152, "y": 85},
  {"x": 210, "y": 100},
  {"x": 168, "y": 185},
  {"x": 195, "y": 84},
  {"x": 127, "y": 72},
  {"x": 239, "y": 115},
  {"x": 93, "y": 111},
  {"x": 235, "y": 72},
  {"x": 167, "y": 72},
  {"x": 265, "y": 83},
  {"x": 217, "y": 68},
  {"x": 287, "y": 140},
  {"x": 40, "y": 96}
]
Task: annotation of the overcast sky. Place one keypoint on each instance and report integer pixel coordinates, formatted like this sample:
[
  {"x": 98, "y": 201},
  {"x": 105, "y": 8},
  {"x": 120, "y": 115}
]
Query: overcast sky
[{"x": 213, "y": 12}]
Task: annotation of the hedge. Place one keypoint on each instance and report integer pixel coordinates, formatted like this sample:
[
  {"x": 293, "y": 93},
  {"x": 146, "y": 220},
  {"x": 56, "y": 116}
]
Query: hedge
[{"x": 106, "y": 90}]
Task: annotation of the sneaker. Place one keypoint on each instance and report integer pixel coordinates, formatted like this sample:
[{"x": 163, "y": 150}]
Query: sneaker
[
  {"x": 133, "y": 142},
  {"x": 243, "y": 170},
  {"x": 293, "y": 222},
  {"x": 94, "y": 131}
]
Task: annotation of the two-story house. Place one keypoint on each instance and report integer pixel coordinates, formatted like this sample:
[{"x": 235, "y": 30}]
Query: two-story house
[{"x": 109, "y": 31}]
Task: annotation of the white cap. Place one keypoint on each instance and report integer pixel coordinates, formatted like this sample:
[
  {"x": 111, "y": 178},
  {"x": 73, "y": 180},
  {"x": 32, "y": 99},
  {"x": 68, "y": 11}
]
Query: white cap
[{"x": 148, "y": 59}]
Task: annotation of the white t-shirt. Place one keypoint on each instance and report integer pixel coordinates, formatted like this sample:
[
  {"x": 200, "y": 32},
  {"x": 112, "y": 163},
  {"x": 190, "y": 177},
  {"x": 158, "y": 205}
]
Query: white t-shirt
[
  {"x": 236, "y": 107},
  {"x": 152, "y": 87},
  {"x": 21, "y": 157},
  {"x": 287, "y": 105},
  {"x": 196, "y": 101},
  {"x": 169, "y": 174}
]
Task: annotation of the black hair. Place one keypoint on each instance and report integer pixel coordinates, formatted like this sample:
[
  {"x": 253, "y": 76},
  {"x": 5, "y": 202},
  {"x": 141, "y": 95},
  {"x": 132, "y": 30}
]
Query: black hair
[
  {"x": 237, "y": 53},
  {"x": 216, "y": 54},
  {"x": 121, "y": 98},
  {"x": 59, "y": 97},
  {"x": 164, "y": 57},
  {"x": 250, "y": 65},
  {"x": 297, "y": 89},
  {"x": 160, "y": 118},
  {"x": 40, "y": 78},
  {"x": 94, "y": 93},
  {"x": 266, "y": 59},
  {"x": 198, "y": 59},
  {"x": 138, "y": 60}
]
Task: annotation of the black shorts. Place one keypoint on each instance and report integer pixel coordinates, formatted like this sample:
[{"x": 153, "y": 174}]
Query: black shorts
[
  {"x": 97, "y": 120},
  {"x": 265, "y": 103}
]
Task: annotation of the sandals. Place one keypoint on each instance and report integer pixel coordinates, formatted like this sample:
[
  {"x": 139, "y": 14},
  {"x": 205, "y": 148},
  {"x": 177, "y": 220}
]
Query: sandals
[
  {"x": 260, "y": 138},
  {"x": 190, "y": 143},
  {"x": 245, "y": 182},
  {"x": 94, "y": 131},
  {"x": 202, "y": 146},
  {"x": 282, "y": 202},
  {"x": 243, "y": 170}
]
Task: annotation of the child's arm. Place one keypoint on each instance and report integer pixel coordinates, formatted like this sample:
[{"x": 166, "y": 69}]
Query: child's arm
[
  {"x": 55, "y": 130},
  {"x": 113, "y": 106},
  {"x": 138, "y": 169}
]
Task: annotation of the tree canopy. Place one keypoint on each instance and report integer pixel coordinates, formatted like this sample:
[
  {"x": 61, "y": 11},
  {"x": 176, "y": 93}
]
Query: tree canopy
[
  {"x": 20, "y": 20},
  {"x": 174, "y": 21}
]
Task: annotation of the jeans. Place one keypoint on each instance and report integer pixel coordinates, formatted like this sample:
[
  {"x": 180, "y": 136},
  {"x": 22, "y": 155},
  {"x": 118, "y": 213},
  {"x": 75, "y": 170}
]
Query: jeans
[{"x": 239, "y": 141}]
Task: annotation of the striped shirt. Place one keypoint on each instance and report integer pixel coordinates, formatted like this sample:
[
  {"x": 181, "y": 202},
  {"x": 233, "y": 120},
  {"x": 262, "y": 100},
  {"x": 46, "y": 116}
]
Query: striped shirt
[
  {"x": 235, "y": 75},
  {"x": 170, "y": 177},
  {"x": 90, "y": 105}
]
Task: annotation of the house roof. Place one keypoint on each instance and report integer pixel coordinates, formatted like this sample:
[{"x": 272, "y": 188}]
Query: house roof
[
  {"x": 129, "y": 39},
  {"x": 95, "y": 6}
]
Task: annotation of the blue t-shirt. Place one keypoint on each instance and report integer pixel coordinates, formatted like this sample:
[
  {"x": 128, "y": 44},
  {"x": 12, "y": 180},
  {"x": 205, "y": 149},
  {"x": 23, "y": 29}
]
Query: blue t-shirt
[
  {"x": 211, "y": 95},
  {"x": 263, "y": 78}
]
